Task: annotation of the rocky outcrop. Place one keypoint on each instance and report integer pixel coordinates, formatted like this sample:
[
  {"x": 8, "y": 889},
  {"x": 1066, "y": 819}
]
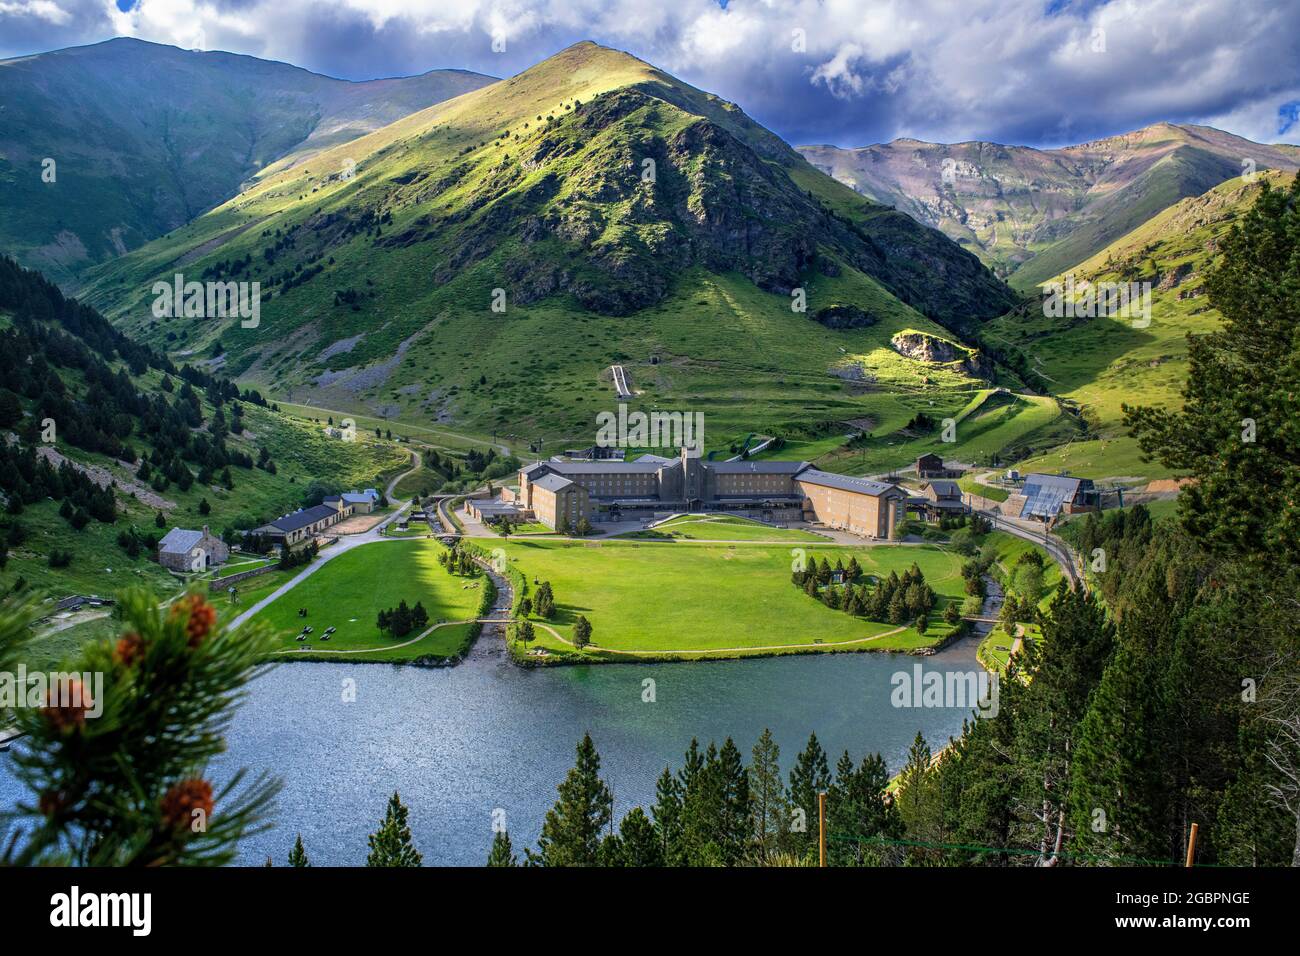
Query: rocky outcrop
[{"x": 926, "y": 348}]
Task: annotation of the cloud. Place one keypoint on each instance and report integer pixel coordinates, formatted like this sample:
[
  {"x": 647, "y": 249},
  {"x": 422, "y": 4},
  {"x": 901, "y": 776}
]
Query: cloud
[{"x": 845, "y": 71}]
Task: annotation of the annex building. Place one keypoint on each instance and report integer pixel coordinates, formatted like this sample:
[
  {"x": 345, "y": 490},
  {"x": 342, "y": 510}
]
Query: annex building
[{"x": 560, "y": 493}]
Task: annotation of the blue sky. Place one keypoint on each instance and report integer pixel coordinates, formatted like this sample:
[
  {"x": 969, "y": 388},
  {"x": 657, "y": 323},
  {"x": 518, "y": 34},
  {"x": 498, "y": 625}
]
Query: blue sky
[{"x": 849, "y": 72}]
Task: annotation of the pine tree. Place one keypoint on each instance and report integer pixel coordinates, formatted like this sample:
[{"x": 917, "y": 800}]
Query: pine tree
[
  {"x": 298, "y": 855},
  {"x": 667, "y": 815},
  {"x": 571, "y": 833},
  {"x": 810, "y": 776},
  {"x": 391, "y": 844},
  {"x": 581, "y": 632},
  {"x": 638, "y": 841},
  {"x": 769, "y": 809},
  {"x": 502, "y": 853},
  {"x": 127, "y": 787}
]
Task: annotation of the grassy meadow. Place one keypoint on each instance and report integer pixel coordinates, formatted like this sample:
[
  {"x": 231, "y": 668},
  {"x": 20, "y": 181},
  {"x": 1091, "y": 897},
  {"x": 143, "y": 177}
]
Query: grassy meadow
[
  {"x": 686, "y": 600},
  {"x": 349, "y": 591}
]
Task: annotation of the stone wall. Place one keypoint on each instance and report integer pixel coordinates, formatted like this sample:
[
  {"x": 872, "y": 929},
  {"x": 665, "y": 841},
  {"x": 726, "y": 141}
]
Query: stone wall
[{"x": 220, "y": 584}]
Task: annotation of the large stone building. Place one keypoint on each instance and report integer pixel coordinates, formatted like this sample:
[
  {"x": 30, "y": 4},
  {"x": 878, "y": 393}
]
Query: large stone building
[{"x": 561, "y": 492}]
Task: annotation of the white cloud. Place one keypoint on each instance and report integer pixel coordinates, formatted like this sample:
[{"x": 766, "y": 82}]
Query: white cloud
[
  {"x": 37, "y": 9},
  {"x": 870, "y": 69}
]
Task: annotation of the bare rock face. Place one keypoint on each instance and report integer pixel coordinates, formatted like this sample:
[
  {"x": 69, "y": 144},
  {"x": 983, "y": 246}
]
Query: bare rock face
[{"x": 926, "y": 348}]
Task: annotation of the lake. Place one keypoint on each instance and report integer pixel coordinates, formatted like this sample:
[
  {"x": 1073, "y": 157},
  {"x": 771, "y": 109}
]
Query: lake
[{"x": 459, "y": 743}]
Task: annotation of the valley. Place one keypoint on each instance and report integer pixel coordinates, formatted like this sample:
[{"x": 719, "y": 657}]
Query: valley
[{"x": 304, "y": 371}]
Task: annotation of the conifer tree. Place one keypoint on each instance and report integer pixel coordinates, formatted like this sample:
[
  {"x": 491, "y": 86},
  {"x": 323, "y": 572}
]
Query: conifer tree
[
  {"x": 581, "y": 631},
  {"x": 573, "y": 828},
  {"x": 638, "y": 843},
  {"x": 298, "y": 855},
  {"x": 391, "y": 844},
  {"x": 667, "y": 815},
  {"x": 502, "y": 853},
  {"x": 119, "y": 777},
  {"x": 769, "y": 808},
  {"x": 810, "y": 776}
]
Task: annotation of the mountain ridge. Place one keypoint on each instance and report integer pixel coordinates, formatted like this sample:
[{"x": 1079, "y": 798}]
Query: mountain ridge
[
  {"x": 592, "y": 191},
  {"x": 1030, "y": 213},
  {"x": 144, "y": 137}
]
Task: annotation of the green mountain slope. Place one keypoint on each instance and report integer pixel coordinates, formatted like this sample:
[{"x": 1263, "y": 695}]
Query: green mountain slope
[
  {"x": 146, "y": 137},
  {"x": 1030, "y": 213},
  {"x": 1100, "y": 363},
  {"x": 382, "y": 285},
  {"x": 100, "y": 435}
]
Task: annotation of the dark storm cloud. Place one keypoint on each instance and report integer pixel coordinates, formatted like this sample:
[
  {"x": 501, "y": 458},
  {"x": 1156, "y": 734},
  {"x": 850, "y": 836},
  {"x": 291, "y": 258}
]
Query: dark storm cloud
[{"x": 848, "y": 72}]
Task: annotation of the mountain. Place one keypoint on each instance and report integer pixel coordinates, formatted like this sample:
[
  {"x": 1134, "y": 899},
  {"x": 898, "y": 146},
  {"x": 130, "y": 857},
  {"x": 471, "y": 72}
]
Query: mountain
[
  {"x": 1100, "y": 363},
  {"x": 101, "y": 435},
  {"x": 1032, "y": 213},
  {"x": 617, "y": 215},
  {"x": 146, "y": 137}
]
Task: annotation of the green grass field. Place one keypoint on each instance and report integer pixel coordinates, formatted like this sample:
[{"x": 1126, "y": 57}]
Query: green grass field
[
  {"x": 706, "y": 600},
  {"x": 721, "y": 528},
  {"x": 349, "y": 591}
]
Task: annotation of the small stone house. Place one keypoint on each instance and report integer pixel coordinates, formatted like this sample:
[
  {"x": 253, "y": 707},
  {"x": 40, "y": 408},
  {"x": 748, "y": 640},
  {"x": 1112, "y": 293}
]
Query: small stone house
[{"x": 185, "y": 550}]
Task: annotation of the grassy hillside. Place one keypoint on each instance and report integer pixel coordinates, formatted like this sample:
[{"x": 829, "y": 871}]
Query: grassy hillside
[
  {"x": 1100, "y": 363},
  {"x": 381, "y": 286},
  {"x": 135, "y": 437},
  {"x": 146, "y": 137}
]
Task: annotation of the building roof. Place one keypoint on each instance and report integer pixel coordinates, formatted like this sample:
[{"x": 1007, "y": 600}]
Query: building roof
[
  {"x": 863, "y": 486},
  {"x": 1045, "y": 494},
  {"x": 302, "y": 518},
  {"x": 552, "y": 482},
  {"x": 360, "y": 497},
  {"x": 180, "y": 541},
  {"x": 930, "y": 456},
  {"x": 649, "y": 457},
  {"x": 945, "y": 488},
  {"x": 756, "y": 467},
  {"x": 536, "y": 468},
  {"x": 604, "y": 467},
  {"x": 496, "y": 506}
]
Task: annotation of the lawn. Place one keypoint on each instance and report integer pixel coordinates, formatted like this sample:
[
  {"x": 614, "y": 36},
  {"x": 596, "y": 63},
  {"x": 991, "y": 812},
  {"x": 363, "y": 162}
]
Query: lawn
[
  {"x": 349, "y": 591},
  {"x": 722, "y": 528},
  {"x": 692, "y": 600}
]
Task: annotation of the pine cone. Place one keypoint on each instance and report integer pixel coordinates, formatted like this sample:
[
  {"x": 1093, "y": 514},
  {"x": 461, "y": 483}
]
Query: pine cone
[
  {"x": 68, "y": 713},
  {"x": 184, "y": 797},
  {"x": 202, "y": 617},
  {"x": 130, "y": 648}
]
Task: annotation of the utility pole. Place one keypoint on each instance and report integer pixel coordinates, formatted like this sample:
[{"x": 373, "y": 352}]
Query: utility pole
[
  {"x": 1191, "y": 844},
  {"x": 821, "y": 829}
]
